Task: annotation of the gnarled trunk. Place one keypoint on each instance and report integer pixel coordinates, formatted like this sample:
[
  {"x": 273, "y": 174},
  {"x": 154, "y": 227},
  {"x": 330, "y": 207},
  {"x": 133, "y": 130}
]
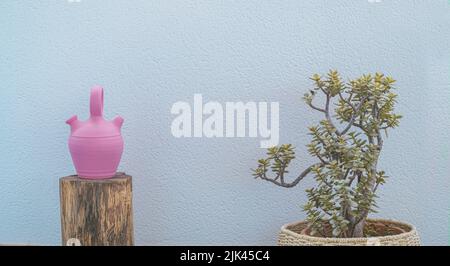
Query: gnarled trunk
[{"x": 358, "y": 230}]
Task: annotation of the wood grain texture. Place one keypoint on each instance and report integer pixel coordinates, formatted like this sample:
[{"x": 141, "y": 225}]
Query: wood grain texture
[{"x": 97, "y": 212}]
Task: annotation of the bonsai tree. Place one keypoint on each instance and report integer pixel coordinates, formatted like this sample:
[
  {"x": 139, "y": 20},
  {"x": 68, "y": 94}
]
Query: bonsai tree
[{"x": 347, "y": 145}]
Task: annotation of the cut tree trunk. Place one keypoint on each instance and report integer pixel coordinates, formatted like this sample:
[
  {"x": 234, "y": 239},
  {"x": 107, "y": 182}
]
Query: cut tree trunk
[{"x": 97, "y": 212}]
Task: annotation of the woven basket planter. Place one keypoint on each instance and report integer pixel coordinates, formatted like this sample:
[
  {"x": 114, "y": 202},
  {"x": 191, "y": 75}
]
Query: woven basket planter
[{"x": 291, "y": 235}]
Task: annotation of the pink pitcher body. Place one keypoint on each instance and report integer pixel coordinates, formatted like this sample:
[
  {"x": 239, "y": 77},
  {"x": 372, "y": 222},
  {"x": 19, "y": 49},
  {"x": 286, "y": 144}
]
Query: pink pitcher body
[{"x": 96, "y": 145}]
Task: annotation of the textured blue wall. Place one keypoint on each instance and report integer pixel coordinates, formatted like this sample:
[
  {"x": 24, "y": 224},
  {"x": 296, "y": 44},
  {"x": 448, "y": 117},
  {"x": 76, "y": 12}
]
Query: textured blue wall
[{"x": 150, "y": 54}]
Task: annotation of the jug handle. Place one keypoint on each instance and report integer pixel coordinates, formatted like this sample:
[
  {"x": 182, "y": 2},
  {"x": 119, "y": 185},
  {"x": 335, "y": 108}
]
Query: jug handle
[{"x": 96, "y": 101}]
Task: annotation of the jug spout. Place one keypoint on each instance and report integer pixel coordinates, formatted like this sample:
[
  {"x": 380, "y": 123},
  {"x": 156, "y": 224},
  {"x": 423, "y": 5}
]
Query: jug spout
[
  {"x": 118, "y": 121},
  {"x": 74, "y": 123}
]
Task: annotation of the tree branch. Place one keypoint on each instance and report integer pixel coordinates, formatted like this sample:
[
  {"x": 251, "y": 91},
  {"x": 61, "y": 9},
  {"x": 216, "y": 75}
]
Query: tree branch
[
  {"x": 316, "y": 108},
  {"x": 347, "y": 101},
  {"x": 351, "y": 179},
  {"x": 320, "y": 158},
  {"x": 355, "y": 114},
  {"x": 346, "y": 174},
  {"x": 375, "y": 188},
  {"x": 327, "y": 114},
  {"x": 282, "y": 183}
]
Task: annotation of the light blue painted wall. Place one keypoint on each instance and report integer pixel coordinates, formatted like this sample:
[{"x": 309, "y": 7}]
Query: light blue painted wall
[{"x": 150, "y": 54}]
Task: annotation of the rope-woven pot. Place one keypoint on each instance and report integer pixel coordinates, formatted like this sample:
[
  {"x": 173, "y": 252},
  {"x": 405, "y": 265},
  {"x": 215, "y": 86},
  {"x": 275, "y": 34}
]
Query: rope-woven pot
[{"x": 291, "y": 235}]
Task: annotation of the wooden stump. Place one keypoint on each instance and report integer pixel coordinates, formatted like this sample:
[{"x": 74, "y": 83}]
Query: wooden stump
[{"x": 96, "y": 212}]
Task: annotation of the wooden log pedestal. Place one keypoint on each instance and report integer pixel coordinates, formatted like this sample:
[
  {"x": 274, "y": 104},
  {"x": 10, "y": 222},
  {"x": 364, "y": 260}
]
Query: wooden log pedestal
[{"x": 96, "y": 212}]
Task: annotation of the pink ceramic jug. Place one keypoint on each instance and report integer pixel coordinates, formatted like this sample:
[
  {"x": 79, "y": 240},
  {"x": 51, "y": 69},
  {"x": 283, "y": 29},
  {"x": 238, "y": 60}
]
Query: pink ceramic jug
[{"x": 96, "y": 145}]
